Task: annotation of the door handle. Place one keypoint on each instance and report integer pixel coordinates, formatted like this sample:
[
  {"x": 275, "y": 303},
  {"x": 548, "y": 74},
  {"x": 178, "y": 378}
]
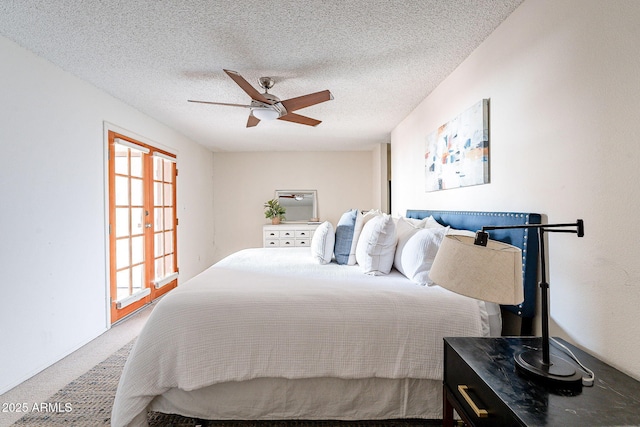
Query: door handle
[{"x": 147, "y": 225}]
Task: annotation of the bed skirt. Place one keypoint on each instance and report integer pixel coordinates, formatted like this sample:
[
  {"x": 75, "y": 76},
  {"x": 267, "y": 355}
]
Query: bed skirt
[{"x": 310, "y": 399}]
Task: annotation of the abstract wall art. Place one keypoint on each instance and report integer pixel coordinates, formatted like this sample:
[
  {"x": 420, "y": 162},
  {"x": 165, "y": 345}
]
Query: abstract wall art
[{"x": 457, "y": 153}]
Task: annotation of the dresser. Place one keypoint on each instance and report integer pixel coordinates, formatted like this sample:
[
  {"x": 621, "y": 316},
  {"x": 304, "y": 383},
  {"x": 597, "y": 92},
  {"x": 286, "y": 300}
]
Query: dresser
[
  {"x": 287, "y": 235},
  {"x": 482, "y": 385}
]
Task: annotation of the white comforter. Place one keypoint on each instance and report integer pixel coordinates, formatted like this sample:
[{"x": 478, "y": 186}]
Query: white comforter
[{"x": 276, "y": 313}]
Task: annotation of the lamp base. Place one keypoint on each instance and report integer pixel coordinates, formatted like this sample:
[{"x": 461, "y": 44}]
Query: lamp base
[{"x": 559, "y": 372}]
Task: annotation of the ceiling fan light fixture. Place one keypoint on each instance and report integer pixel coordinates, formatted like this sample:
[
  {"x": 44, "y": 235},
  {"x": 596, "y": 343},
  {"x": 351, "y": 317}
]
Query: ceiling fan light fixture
[{"x": 263, "y": 113}]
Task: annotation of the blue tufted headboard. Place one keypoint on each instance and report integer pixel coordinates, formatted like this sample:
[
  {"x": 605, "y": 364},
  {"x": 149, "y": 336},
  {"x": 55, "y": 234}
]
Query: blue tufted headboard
[{"x": 525, "y": 239}]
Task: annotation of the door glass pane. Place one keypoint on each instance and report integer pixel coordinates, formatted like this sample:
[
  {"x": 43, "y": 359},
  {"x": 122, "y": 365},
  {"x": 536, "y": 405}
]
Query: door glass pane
[
  {"x": 158, "y": 245},
  {"x": 136, "y": 192},
  {"x": 122, "y": 253},
  {"x": 168, "y": 171},
  {"x": 137, "y": 221},
  {"x": 168, "y": 264},
  {"x": 121, "y": 155},
  {"x": 137, "y": 250},
  {"x": 122, "y": 190},
  {"x": 137, "y": 278},
  {"x": 168, "y": 219},
  {"x": 136, "y": 163},
  {"x": 157, "y": 194},
  {"x": 122, "y": 222},
  {"x": 157, "y": 168},
  {"x": 168, "y": 194},
  {"x": 159, "y": 268},
  {"x": 157, "y": 219},
  {"x": 168, "y": 242},
  {"x": 123, "y": 283}
]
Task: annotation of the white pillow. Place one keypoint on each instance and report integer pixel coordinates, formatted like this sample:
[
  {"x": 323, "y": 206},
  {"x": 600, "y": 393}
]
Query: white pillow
[
  {"x": 407, "y": 225},
  {"x": 370, "y": 214},
  {"x": 432, "y": 223},
  {"x": 361, "y": 220},
  {"x": 405, "y": 228},
  {"x": 322, "y": 243},
  {"x": 376, "y": 245},
  {"x": 428, "y": 222},
  {"x": 416, "y": 223},
  {"x": 415, "y": 253}
]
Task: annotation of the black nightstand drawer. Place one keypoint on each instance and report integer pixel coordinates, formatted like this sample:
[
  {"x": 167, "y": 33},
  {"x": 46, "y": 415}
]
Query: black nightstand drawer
[
  {"x": 486, "y": 367},
  {"x": 480, "y": 405}
]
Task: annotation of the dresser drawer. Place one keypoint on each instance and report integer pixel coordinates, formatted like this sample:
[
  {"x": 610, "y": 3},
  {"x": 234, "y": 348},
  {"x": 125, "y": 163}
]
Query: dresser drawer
[
  {"x": 287, "y": 234},
  {"x": 303, "y": 234},
  {"x": 271, "y": 234},
  {"x": 287, "y": 243},
  {"x": 303, "y": 242},
  {"x": 480, "y": 404},
  {"x": 271, "y": 243}
]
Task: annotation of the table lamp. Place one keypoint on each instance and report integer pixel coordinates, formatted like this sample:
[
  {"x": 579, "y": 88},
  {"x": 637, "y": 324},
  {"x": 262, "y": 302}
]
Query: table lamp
[{"x": 491, "y": 271}]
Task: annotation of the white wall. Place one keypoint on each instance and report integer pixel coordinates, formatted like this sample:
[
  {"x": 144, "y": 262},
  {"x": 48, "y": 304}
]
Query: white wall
[
  {"x": 245, "y": 180},
  {"x": 562, "y": 76},
  {"x": 52, "y": 221},
  {"x": 380, "y": 167}
]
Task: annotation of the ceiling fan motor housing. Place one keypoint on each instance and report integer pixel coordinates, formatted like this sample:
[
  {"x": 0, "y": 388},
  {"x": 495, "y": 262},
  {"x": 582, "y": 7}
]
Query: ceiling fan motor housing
[{"x": 266, "y": 83}]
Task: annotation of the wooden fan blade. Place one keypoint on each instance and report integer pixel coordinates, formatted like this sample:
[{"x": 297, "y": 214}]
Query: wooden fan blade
[
  {"x": 246, "y": 86},
  {"x": 253, "y": 121},
  {"x": 297, "y": 118},
  {"x": 220, "y": 103},
  {"x": 294, "y": 104}
]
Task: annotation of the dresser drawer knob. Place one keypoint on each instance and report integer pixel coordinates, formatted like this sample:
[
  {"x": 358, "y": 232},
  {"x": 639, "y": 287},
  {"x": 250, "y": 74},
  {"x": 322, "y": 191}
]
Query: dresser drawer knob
[{"x": 480, "y": 413}]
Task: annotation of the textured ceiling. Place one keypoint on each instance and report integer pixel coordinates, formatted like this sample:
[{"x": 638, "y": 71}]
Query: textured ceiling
[{"x": 379, "y": 58}]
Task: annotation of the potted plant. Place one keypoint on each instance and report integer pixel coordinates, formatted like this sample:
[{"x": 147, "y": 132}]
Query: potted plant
[{"x": 274, "y": 210}]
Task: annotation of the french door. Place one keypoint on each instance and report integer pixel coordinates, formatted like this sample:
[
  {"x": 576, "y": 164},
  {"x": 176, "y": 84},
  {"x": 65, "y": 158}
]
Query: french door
[{"x": 142, "y": 224}]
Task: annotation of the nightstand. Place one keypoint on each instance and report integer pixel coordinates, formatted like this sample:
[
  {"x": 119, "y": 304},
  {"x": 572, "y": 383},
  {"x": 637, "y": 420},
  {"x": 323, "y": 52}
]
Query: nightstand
[{"x": 483, "y": 386}]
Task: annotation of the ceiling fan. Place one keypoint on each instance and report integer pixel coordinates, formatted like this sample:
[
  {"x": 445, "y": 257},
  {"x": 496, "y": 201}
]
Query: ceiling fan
[{"x": 265, "y": 106}]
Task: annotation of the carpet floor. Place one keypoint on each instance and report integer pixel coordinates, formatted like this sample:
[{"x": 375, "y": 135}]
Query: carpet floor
[{"x": 87, "y": 402}]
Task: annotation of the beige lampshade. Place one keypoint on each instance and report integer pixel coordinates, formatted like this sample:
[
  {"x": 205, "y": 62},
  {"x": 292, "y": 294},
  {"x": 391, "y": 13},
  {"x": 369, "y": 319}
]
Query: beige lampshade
[{"x": 490, "y": 273}]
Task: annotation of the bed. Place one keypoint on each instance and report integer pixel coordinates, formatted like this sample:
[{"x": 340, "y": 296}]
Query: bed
[{"x": 272, "y": 334}]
